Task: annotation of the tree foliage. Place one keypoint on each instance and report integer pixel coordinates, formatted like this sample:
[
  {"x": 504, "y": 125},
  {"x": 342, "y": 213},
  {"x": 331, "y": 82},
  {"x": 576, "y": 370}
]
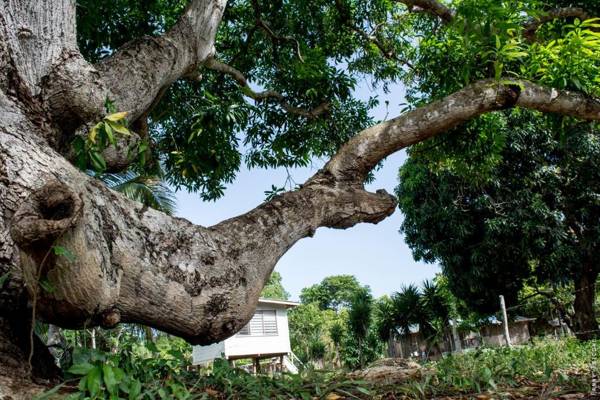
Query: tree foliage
[
  {"x": 203, "y": 130},
  {"x": 428, "y": 308},
  {"x": 534, "y": 214},
  {"x": 360, "y": 315},
  {"x": 333, "y": 292},
  {"x": 509, "y": 195},
  {"x": 274, "y": 288}
]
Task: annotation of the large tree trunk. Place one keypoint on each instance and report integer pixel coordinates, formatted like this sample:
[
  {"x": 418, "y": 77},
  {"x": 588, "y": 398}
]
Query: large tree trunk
[
  {"x": 585, "y": 324},
  {"x": 135, "y": 264}
]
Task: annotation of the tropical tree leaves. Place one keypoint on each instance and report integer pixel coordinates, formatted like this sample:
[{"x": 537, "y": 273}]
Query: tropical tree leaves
[{"x": 148, "y": 190}]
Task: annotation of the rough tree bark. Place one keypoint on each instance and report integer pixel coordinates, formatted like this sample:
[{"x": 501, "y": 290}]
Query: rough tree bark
[{"x": 134, "y": 264}]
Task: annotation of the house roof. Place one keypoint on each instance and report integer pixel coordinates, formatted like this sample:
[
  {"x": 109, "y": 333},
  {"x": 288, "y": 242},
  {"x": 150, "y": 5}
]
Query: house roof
[{"x": 283, "y": 303}]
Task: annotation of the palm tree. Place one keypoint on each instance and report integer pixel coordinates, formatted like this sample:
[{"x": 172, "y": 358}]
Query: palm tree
[
  {"x": 386, "y": 323},
  {"x": 148, "y": 190},
  {"x": 438, "y": 308},
  {"x": 336, "y": 333},
  {"x": 427, "y": 307},
  {"x": 359, "y": 319},
  {"x": 408, "y": 308}
]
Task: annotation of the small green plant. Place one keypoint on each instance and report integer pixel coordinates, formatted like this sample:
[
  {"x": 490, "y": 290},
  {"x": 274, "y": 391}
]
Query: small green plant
[
  {"x": 3, "y": 279},
  {"x": 88, "y": 150}
]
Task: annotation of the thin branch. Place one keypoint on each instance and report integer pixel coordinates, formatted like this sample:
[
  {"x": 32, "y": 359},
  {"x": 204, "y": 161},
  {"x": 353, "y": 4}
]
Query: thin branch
[
  {"x": 387, "y": 52},
  {"x": 239, "y": 77},
  {"x": 262, "y": 24},
  {"x": 432, "y": 7},
  {"x": 265, "y": 27},
  {"x": 531, "y": 27}
]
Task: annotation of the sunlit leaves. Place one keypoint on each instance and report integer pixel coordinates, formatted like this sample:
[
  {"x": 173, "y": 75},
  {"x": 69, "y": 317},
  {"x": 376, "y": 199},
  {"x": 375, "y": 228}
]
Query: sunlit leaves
[
  {"x": 568, "y": 62},
  {"x": 314, "y": 52},
  {"x": 88, "y": 149},
  {"x": 146, "y": 189}
]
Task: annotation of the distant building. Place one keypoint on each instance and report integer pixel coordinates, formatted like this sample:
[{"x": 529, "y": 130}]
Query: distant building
[
  {"x": 266, "y": 336},
  {"x": 518, "y": 329},
  {"x": 490, "y": 334}
]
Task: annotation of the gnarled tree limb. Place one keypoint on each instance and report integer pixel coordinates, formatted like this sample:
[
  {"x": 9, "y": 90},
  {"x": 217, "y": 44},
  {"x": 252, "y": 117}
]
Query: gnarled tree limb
[
  {"x": 137, "y": 72},
  {"x": 357, "y": 157},
  {"x": 134, "y": 75},
  {"x": 135, "y": 264},
  {"x": 52, "y": 71}
]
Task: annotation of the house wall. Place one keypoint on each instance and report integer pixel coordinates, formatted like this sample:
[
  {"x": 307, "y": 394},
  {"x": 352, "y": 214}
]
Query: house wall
[
  {"x": 493, "y": 335},
  {"x": 204, "y": 354},
  {"x": 240, "y": 345}
]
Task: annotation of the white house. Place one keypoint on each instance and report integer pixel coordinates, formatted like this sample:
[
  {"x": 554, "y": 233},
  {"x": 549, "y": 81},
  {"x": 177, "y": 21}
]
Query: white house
[{"x": 265, "y": 336}]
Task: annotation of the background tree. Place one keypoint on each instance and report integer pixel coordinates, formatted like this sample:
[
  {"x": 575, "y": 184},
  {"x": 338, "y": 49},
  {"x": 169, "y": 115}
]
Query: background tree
[
  {"x": 533, "y": 214},
  {"x": 274, "y": 288},
  {"x": 525, "y": 212},
  {"x": 429, "y": 308},
  {"x": 359, "y": 320},
  {"x": 333, "y": 293},
  {"x": 310, "y": 329},
  {"x": 129, "y": 97},
  {"x": 336, "y": 333}
]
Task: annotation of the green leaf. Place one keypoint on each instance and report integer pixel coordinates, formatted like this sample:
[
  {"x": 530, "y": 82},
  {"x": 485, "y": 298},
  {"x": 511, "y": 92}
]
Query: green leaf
[
  {"x": 94, "y": 380},
  {"x": 97, "y": 161},
  {"x": 3, "y": 279},
  {"x": 94, "y": 132},
  {"x": 63, "y": 252},
  {"x": 110, "y": 379},
  {"x": 162, "y": 393},
  {"x": 116, "y": 116},
  {"x": 122, "y": 129},
  {"x": 135, "y": 389},
  {"x": 49, "y": 393},
  {"x": 80, "y": 369},
  {"x": 363, "y": 390},
  {"x": 47, "y": 286},
  {"x": 110, "y": 134},
  {"x": 83, "y": 384}
]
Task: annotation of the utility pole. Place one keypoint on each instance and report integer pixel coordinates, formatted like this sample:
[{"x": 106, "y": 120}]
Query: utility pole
[
  {"x": 456, "y": 337},
  {"x": 505, "y": 321}
]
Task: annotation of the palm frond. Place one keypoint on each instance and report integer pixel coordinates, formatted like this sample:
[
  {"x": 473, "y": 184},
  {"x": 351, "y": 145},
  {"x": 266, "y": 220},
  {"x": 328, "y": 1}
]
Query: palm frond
[{"x": 148, "y": 190}]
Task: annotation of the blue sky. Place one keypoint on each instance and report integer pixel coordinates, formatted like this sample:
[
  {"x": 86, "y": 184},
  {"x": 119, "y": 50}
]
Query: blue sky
[{"x": 375, "y": 254}]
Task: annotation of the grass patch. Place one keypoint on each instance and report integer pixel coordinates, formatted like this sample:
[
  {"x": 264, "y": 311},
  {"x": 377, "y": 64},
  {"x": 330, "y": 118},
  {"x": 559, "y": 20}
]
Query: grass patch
[{"x": 544, "y": 369}]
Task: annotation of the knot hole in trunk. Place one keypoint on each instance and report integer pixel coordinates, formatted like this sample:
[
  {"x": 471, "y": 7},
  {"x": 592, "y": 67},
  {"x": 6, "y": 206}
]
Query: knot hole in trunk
[{"x": 47, "y": 214}]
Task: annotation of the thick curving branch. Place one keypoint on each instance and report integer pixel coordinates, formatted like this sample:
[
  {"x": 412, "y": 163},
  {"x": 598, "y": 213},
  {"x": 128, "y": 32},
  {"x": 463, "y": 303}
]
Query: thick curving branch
[
  {"x": 69, "y": 93},
  {"x": 75, "y": 91},
  {"x": 530, "y": 28},
  {"x": 137, "y": 73},
  {"x": 218, "y": 66},
  {"x": 357, "y": 157}
]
